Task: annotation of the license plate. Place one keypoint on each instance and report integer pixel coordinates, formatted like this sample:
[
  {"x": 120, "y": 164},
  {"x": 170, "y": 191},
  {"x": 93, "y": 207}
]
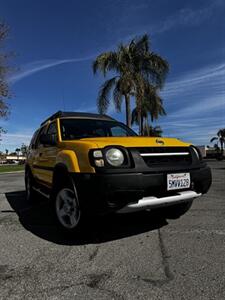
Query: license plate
[{"x": 178, "y": 181}]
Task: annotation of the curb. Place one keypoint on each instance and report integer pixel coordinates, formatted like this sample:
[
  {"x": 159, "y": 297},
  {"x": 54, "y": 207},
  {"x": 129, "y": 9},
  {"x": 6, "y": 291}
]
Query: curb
[{"x": 13, "y": 172}]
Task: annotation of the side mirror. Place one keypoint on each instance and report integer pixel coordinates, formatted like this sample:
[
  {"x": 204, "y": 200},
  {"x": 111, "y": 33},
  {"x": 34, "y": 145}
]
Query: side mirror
[{"x": 47, "y": 139}]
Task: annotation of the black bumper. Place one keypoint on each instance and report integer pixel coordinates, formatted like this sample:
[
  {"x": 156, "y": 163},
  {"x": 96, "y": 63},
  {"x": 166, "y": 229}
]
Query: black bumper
[{"x": 102, "y": 193}]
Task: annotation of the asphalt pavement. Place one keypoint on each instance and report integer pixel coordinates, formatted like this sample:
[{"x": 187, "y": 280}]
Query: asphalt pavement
[{"x": 135, "y": 256}]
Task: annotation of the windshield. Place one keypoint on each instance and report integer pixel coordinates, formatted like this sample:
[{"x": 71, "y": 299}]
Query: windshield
[{"x": 83, "y": 128}]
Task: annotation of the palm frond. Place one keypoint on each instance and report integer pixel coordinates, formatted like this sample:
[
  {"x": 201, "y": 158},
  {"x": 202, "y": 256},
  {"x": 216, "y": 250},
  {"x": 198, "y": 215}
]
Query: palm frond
[
  {"x": 105, "y": 62},
  {"x": 221, "y": 133},
  {"x": 142, "y": 44},
  {"x": 103, "y": 100},
  {"x": 117, "y": 96},
  {"x": 155, "y": 68},
  {"x": 153, "y": 102},
  {"x": 134, "y": 116},
  {"x": 213, "y": 139}
]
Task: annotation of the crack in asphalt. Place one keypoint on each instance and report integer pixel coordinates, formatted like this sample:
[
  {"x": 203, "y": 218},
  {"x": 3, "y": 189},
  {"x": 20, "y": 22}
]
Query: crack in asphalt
[
  {"x": 93, "y": 281},
  {"x": 4, "y": 275},
  {"x": 93, "y": 254},
  {"x": 165, "y": 256},
  {"x": 166, "y": 268},
  {"x": 97, "y": 281},
  {"x": 24, "y": 274}
]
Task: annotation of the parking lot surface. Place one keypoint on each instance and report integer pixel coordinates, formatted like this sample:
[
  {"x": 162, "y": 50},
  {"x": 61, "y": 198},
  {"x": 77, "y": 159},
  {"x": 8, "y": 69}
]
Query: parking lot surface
[{"x": 135, "y": 256}]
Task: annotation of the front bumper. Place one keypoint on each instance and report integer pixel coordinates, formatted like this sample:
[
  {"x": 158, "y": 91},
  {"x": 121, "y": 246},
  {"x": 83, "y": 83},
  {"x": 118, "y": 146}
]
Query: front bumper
[
  {"x": 155, "y": 202},
  {"x": 102, "y": 193}
]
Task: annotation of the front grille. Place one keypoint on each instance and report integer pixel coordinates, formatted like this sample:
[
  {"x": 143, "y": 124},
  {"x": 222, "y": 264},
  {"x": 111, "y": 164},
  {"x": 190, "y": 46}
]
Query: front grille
[{"x": 165, "y": 156}]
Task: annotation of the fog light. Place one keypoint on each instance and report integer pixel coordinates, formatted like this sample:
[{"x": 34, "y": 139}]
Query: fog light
[{"x": 99, "y": 163}]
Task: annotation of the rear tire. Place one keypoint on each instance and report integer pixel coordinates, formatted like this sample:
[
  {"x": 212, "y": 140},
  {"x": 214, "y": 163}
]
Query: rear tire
[
  {"x": 175, "y": 211},
  {"x": 31, "y": 194}
]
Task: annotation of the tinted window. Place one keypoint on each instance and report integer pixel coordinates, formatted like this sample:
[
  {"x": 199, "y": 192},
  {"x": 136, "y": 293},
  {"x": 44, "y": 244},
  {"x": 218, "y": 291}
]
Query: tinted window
[
  {"x": 84, "y": 128},
  {"x": 32, "y": 142},
  {"x": 118, "y": 131},
  {"x": 37, "y": 142},
  {"x": 52, "y": 130}
]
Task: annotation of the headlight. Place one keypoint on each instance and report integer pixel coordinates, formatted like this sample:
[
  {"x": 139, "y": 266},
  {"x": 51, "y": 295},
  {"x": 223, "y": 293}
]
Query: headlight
[{"x": 114, "y": 157}]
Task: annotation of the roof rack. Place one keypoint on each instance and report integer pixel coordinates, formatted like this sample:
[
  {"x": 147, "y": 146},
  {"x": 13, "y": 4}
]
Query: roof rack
[{"x": 60, "y": 114}]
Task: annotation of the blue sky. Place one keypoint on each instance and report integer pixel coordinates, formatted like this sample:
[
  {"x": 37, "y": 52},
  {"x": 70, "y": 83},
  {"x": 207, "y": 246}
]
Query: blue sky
[{"x": 56, "y": 42}]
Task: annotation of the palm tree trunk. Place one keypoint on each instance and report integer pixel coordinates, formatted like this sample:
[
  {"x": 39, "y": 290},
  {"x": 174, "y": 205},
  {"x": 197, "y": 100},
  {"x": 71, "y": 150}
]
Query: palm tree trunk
[
  {"x": 143, "y": 128},
  {"x": 147, "y": 127},
  {"x": 140, "y": 122},
  {"x": 142, "y": 125},
  {"x": 128, "y": 110},
  {"x": 140, "y": 118},
  {"x": 221, "y": 146}
]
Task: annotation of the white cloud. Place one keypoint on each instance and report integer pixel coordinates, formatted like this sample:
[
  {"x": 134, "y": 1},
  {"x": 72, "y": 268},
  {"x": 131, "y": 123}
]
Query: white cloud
[
  {"x": 211, "y": 76},
  {"x": 86, "y": 108},
  {"x": 196, "y": 102},
  {"x": 184, "y": 17},
  {"x": 207, "y": 105},
  {"x": 11, "y": 141},
  {"x": 200, "y": 92},
  {"x": 188, "y": 17},
  {"x": 37, "y": 66}
]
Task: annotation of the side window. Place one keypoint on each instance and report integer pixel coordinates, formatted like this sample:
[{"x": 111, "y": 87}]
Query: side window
[
  {"x": 32, "y": 142},
  {"x": 52, "y": 130},
  {"x": 118, "y": 131},
  {"x": 99, "y": 132},
  {"x": 37, "y": 142}
]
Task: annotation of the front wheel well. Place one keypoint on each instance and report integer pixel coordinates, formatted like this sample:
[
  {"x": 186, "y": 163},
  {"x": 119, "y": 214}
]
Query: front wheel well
[{"x": 60, "y": 176}]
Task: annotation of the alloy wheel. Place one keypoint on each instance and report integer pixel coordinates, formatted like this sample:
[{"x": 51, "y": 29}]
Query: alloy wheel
[{"x": 67, "y": 208}]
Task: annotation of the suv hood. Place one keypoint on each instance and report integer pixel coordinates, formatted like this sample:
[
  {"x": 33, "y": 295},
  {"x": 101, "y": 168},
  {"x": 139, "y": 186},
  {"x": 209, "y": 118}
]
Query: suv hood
[{"x": 137, "y": 141}]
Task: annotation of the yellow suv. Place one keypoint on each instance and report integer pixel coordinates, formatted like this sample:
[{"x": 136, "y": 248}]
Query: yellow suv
[{"x": 90, "y": 163}]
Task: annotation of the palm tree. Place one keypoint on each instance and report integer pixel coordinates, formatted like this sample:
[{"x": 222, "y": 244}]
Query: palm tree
[
  {"x": 24, "y": 149},
  {"x": 152, "y": 105},
  {"x": 17, "y": 150},
  {"x": 2, "y": 130},
  {"x": 220, "y": 138},
  {"x": 152, "y": 131},
  {"x": 135, "y": 68}
]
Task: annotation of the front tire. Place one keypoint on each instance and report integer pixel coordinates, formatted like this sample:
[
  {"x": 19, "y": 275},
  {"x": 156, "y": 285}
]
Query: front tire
[{"x": 67, "y": 208}]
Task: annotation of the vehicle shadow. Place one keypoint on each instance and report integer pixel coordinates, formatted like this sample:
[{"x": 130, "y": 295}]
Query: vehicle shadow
[{"x": 38, "y": 218}]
